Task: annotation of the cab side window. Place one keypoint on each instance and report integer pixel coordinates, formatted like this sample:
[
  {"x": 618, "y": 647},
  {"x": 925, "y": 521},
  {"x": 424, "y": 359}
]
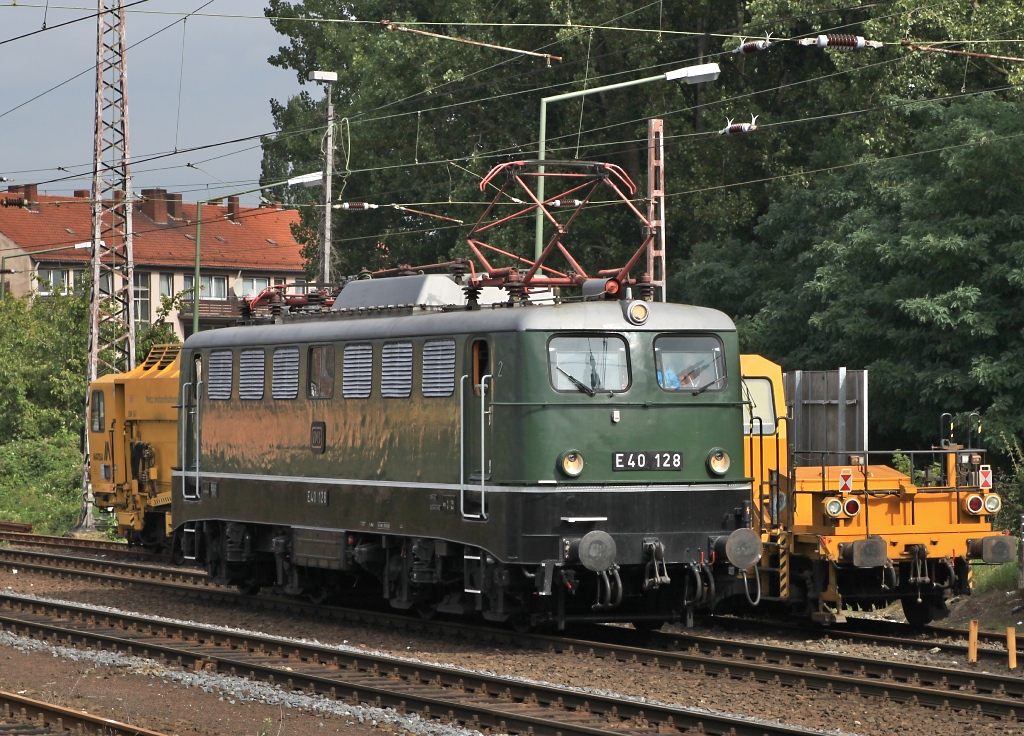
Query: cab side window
[{"x": 321, "y": 372}]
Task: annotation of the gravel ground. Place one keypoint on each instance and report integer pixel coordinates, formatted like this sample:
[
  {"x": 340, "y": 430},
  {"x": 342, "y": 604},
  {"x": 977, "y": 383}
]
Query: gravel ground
[{"x": 798, "y": 707}]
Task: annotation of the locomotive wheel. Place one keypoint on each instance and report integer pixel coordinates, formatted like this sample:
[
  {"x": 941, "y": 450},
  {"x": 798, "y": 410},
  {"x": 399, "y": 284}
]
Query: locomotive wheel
[
  {"x": 923, "y": 612},
  {"x": 248, "y": 588}
]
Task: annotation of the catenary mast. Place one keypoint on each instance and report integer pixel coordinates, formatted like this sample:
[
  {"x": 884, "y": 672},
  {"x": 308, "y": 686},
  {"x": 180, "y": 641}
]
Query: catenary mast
[{"x": 111, "y": 313}]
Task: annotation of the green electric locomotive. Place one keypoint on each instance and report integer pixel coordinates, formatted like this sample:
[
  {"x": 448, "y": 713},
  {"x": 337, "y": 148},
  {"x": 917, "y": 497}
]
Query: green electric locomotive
[
  {"x": 562, "y": 461},
  {"x": 466, "y": 448}
]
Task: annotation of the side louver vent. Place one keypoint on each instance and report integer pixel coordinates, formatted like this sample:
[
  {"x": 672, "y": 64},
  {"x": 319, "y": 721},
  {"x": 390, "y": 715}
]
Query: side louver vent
[
  {"x": 251, "y": 374},
  {"x": 357, "y": 373},
  {"x": 219, "y": 375},
  {"x": 438, "y": 368},
  {"x": 396, "y": 370},
  {"x": 285, "y": 381}
]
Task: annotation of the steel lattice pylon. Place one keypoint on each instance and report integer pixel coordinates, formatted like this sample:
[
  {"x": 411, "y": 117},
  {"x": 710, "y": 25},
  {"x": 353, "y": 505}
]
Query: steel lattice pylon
[
  {"x": 111, "y": 301},
  {"x": 112, "y": 319}
]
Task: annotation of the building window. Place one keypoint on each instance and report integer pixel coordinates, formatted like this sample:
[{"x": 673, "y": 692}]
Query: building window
[
  {"x": 253, "y": 286},
  {"x": 105, "y": 283},
  {"x": 78, "y": 281},
  {"x": 321, "y": 372},
  {"x": 141, "y": 284},
  {"x": 52, "y": 280},
  {"x": 210, "y": 287},
  {"x": 166, "y": 284},
  {"x": 300, "y": 286}
]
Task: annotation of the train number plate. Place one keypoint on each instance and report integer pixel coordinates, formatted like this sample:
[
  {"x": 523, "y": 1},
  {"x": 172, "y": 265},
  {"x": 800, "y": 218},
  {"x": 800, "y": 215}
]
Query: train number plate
[{"x": 647, "y": 461}]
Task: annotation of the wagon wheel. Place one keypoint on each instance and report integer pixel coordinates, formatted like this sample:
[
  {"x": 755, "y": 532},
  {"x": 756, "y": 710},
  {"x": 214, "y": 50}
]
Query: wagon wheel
[{"x": 923, "y": 612}]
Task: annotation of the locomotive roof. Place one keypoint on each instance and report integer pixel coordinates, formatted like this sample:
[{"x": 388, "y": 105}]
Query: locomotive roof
[{"x": 603, "y": 316}]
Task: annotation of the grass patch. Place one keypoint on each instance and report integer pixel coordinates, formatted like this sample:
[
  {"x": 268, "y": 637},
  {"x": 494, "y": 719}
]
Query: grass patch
[
  {"x": 40, "y": 482},
  {"x": 995, "y": 577}
]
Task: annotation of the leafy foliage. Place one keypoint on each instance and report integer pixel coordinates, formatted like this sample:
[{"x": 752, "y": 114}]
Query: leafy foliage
[
  {"x": 910, "y": 267},
  {"x": 40, "y": 482},
  {"x": 42, "y": 366}
]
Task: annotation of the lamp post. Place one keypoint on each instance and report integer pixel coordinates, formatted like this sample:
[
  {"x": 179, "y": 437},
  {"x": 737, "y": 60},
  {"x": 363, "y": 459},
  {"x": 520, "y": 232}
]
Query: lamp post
[
  {"x": 199, "y": 221},
  {"x": 4, "y": 259},
  {"x": 327, "y": 78},
  {"x": 690, "y": 75}
]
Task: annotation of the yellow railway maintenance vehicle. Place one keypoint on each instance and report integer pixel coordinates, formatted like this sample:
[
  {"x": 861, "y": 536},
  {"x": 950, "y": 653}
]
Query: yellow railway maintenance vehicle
[
  {"x": 133, "y": 425},
  {"x": 844, "y": 528}
]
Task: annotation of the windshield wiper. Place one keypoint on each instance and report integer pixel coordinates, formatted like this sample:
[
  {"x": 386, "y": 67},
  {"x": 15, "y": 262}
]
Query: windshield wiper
[
  {"x": 706, "y": 386},
  {"x": 577, "y": 383}
]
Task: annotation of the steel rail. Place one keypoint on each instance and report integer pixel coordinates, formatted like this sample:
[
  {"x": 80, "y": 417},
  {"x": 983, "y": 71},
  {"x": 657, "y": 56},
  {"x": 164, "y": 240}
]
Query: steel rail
[
  {"x": 37, "y": 717},
  {"x": 456, "y": 695},
  {"x": 930, "y": 686},
  {"x": 94, "y": 545}
]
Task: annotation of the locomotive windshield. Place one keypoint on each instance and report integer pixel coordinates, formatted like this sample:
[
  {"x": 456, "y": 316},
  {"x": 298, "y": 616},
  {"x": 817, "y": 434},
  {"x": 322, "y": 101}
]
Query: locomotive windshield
[
  {"x": 689, "y": 363},
  {"x": 588, "y": 364}
]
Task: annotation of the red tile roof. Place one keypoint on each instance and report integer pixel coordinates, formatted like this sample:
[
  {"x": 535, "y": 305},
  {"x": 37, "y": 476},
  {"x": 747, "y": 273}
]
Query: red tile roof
[{"x": 243, "y": 245}]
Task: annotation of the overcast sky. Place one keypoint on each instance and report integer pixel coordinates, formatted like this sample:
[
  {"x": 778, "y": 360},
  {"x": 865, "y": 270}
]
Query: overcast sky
[{"x": 226, "y": 85}]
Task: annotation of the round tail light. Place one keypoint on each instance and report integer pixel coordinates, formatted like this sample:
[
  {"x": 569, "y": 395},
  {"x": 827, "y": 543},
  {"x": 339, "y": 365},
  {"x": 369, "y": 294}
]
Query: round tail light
[
  {"x": 833, "y": 507},
  {"x": 993, "y": 503},
  {"x": 974, "y": 504},
  {"x": 851, "y": 506}
]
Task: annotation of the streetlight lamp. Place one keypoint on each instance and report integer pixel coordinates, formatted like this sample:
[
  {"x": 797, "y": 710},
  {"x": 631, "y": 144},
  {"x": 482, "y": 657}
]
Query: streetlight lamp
[
  {"x": 4, "y": 259},
  {"x": 327, "y": 78},
  {"x": 690, "y": 75}
]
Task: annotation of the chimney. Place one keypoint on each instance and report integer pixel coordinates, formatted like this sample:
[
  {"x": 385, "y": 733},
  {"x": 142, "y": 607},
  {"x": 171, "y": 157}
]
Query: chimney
[
  {"x": 31, "y": 192},
  {"x": 233, "y": 209},
  {"x": 174, "y": 206},
  {"x": 83, "y": 194},
  {"x": 154, "y": 205},
  {"x": 14, "y": 188}
]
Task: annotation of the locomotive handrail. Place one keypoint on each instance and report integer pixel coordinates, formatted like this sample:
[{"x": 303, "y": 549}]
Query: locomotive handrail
[
  {"x": 183, "y": 433},
  {"x": 483, "y": 445},
  {"x": 199, "y": 425},
  {"x": 462, "y": 446}
]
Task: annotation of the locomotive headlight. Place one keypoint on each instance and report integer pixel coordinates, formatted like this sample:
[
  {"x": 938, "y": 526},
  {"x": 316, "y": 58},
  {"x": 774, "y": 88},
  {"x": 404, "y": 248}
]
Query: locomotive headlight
[
  {"x": 974, "y": 504},
  {"x": 637, "y": 313},
  {"x": 719, "y": 461},
  {"x": 571, "y": 463},
  {"x": 833, "y": 507},
  {"x": 993, "y": 503}
]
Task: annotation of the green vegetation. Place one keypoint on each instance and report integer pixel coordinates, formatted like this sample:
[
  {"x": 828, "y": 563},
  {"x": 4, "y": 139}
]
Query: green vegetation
[
  {"x": 40, "y": 482},
  {"x": 995, "y": 577}
]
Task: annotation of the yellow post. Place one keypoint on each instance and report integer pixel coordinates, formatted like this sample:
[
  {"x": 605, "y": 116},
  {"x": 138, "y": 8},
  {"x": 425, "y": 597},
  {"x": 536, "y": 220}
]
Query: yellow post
[
  {"x": 1011, "y": 646},
  {"x": 972, "y": 642}
]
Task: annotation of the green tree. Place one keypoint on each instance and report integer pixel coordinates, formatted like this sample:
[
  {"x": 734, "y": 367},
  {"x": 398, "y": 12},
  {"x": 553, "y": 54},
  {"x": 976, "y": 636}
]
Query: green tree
[
  {"x": 42, "y": 366},
  {"x": 911, "y": 267}
]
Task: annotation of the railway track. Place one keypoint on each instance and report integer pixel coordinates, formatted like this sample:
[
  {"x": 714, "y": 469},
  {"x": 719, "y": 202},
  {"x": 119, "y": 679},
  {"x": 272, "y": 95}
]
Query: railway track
[
  {"x": 22, "y": 716},
  {"x": 455, "y": 695},
  {"x": 935, "y": 687},
  {"x": 115, "y": 549}
]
